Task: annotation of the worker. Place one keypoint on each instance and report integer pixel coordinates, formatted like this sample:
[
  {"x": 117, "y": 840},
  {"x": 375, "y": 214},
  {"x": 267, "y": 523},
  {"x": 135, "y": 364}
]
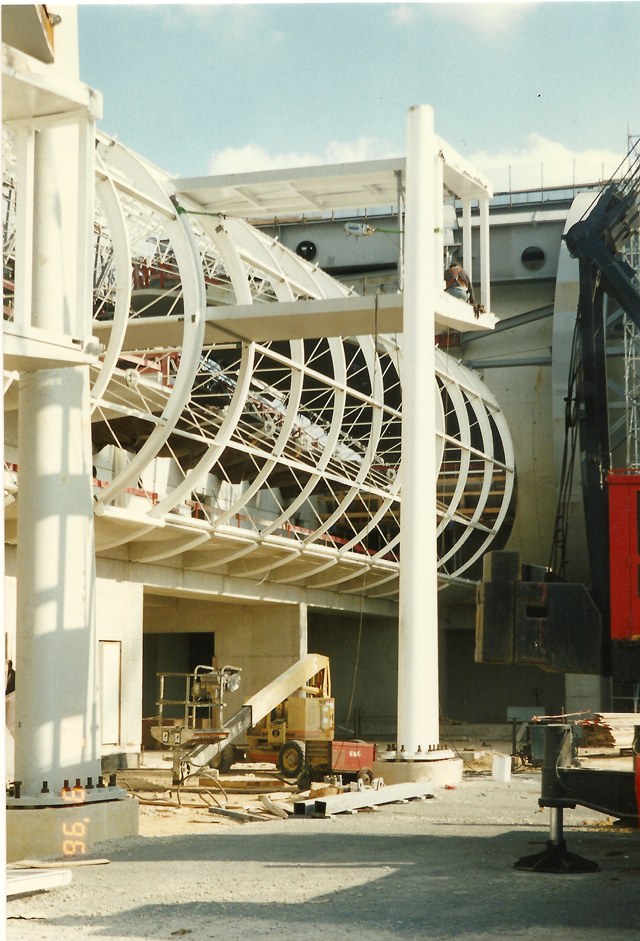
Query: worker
[
  {"x": 10, "y": 673},
  {"x": 458, "y": 283}
]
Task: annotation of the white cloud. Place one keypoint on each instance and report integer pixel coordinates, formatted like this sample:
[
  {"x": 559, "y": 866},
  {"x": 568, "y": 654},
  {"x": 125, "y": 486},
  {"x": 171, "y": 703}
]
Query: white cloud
[
  {"x": 544, "y": 161},
  {"x": 492, "y": 18},
  {"x": 541, "y": 161},
  {"x": 252, "y": 157},
  {"x": 403, "y": 14},
  {"x": 238, "y": 22},
  {"x": 364, "y": 148}
]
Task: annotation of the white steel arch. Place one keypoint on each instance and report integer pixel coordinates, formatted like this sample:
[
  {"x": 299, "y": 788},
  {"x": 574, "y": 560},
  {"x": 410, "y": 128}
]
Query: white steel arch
[{"x": 277, "y": 460}]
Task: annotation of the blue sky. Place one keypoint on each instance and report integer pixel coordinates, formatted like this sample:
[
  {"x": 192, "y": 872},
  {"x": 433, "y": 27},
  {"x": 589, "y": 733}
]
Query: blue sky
[{"x": 224, "y": 87}]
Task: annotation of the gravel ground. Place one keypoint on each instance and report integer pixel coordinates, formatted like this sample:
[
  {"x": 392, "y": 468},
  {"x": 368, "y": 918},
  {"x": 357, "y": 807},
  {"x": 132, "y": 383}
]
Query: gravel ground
[{"x": 440, "y": 869}]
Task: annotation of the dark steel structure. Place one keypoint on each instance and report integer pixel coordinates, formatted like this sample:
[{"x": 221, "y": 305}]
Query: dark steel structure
[{"x": 536, "y": 617}]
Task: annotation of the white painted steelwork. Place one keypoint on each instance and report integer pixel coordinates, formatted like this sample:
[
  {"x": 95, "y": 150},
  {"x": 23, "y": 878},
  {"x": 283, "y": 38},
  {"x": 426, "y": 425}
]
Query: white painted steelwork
[
  {"x": 418, "y": 698},
  {"x": 56, "y": 694},
  {"x": 267, "y": 460}
]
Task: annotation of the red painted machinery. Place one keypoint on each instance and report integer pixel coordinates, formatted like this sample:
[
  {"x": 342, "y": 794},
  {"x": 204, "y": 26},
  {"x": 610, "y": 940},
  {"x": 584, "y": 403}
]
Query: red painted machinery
[{"x": 624, "y": 554}]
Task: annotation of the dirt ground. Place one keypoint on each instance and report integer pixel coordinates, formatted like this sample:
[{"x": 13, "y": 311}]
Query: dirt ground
[{"x": 435, "y": 869}]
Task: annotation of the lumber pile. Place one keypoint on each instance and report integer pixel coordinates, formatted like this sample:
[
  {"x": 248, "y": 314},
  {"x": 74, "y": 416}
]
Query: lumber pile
[{"x": 609, "y": 730}]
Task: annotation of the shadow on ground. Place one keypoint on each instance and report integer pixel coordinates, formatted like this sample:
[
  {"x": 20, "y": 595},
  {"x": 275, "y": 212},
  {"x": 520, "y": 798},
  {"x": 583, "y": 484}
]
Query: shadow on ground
[{"x": 416, "y": 887}]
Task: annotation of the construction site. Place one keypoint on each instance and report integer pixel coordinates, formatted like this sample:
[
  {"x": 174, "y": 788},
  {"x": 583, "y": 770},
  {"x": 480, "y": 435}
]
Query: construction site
[{"x": 251, "y": 664}]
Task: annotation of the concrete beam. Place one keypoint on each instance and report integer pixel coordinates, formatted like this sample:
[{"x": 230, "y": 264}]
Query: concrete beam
[
  {"x": 327, "y": 187},
  {"x": 299, "y": 320},
  {"x": 177, "y": 582},
  {"x": 30, "y": 89},
  {"x": 29, "y": 349}
]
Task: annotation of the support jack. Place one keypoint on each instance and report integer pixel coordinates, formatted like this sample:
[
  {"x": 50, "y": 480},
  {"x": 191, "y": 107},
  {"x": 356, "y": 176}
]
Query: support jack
[{"x": 556, "y": 857}]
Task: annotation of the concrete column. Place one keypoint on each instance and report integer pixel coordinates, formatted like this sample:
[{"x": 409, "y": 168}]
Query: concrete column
[
  {"x": 467, "y": 251},
  {"x": 3, "y": 813},
  {"x": 438, "y": 223},
  {"x": 57, "y": 734},
  {"x": 485, "y": 269},
  {"x": 303, "y": 630},
  {"x": 400, "y": 230},
  {"x": 418, "y": 628}
]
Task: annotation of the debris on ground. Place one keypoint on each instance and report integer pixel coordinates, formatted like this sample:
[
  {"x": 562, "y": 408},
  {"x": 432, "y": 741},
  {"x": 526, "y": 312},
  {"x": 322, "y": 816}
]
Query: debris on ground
[
  {"x": 422, "y": 870},
  {"x": 251, "y": 797}
]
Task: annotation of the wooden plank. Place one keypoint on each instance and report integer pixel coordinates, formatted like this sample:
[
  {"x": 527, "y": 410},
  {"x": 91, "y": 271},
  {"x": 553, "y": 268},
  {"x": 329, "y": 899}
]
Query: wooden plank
[{"x": 239, "y": 815}]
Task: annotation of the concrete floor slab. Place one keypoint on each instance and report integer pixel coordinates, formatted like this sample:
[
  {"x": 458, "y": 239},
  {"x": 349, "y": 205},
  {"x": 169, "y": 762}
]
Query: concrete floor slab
[{"x": 441, "y": 869}]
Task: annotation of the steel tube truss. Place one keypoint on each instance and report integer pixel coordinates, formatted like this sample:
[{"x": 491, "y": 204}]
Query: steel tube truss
[{"x": 276, "y": 460}]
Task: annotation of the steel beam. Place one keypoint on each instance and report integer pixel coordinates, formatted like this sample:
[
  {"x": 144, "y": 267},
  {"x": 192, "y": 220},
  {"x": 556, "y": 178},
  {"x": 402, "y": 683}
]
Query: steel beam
[{"x": 368, "y": 797}]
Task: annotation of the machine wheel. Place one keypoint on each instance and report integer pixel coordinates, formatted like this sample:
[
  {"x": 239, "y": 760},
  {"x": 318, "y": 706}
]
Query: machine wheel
[
  {"x": 304, "y": 780},
  {"x": 224, "y": 760},
  {"x": 291, "y": 759},
  {"x": 365, "y": 775}
]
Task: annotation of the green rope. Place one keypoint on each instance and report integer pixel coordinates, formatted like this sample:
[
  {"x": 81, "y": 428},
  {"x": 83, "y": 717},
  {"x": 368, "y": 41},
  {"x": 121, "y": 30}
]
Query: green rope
[{"x": 181, "y": 211}]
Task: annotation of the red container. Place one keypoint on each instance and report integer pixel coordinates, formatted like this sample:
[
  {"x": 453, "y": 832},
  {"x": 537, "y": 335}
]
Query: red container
[
  {"x": 350, "y": 757},
  {"x": 624, "y": 553}
]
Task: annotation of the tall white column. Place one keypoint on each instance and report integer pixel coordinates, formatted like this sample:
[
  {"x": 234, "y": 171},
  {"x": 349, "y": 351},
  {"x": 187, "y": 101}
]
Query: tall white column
[
  {"x": 438, "y": 224},
  {"x": 57, "y": 733},
  {"x": 3, "y": 766},
  {"x": 57, "y": 723},
  {"x": 485, "y": 266},
  {"x": 467, "y": 251},
  {"x": 418, "y": 630}
]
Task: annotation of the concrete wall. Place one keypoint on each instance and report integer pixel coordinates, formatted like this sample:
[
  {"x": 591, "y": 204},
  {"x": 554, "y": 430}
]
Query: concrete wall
[
  {"x": 511, "y": 238},
  {"x": 469, "y": 691},
  {"x": 481, "y": 692},
  {"x": 10, "y": 600},
  {"x": 524, "y": 394},
  {"x": 375, "y": 669},
  {"x": 584, "y": 693},
  {"x": 262, "y": 639},
  {"x": 119, "y": 618}
]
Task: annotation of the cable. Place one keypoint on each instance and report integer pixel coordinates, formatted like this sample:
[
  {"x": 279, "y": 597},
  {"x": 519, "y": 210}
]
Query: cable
[
  {"x": 196, "y": 774},
  {"x": 355, "y": 671},
  {"x": 558, "y": 555}
]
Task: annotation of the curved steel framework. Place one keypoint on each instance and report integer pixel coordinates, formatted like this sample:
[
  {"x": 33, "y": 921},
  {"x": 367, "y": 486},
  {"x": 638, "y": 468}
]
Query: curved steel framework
[{"x": 272, "y": 461}]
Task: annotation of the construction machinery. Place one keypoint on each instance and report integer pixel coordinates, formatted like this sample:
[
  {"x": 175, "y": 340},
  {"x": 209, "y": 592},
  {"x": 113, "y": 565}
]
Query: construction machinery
[
  {"x": 527, "y": 614},
  {"x": 291, "y": 722}
]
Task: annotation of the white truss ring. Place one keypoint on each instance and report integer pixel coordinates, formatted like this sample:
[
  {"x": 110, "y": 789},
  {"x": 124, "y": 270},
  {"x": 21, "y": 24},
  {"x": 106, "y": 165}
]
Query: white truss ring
[
  {"x": 106, "y": 193},
  {"x": 178, "y": 230},
  {"x": 227, "y": 255}
]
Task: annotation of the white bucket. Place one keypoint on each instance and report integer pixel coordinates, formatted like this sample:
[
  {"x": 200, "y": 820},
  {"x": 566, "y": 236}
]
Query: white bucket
[{"x": 501, "y": 768}]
